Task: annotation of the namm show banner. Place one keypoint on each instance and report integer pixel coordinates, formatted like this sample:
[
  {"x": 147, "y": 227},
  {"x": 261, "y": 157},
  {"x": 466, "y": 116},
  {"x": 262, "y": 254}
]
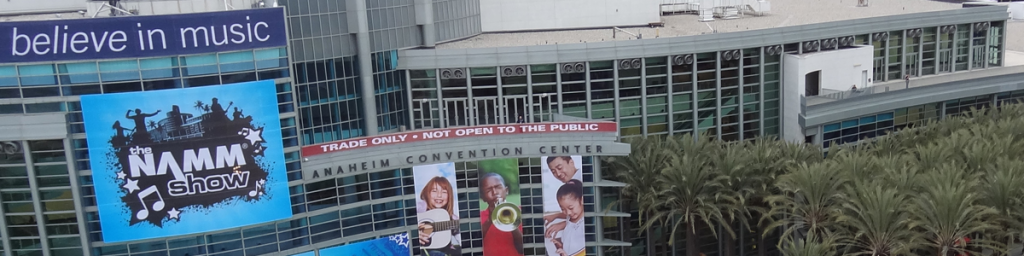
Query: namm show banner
[
  {"x": 393, "y": 245},
  {"x": 184, "y": 161}
]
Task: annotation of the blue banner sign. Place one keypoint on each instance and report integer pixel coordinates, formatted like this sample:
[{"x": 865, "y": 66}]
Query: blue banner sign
[
  {"x": 393, "y": 245},
  {"x": 141, "y": 36},
  {"x": 175, "y": 162}
]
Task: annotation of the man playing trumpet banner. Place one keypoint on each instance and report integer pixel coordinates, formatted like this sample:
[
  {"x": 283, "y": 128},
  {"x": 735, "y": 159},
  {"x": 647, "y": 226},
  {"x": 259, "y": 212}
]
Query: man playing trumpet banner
[{"x": 501, "y": 222}]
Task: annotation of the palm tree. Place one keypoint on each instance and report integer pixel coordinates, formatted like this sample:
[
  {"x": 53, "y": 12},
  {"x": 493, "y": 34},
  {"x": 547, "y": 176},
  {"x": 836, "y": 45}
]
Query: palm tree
[
  {"x": 810, "y": 200},
  {"x": 809, "y": 246},
  {"x": 1001, "y": 190},
  {"x": 689, "y": 192},
  {"x": 877, "y": 220},
  {"x": 640, "y": 172},
  {"x": 743, "y": 185},
  {"x": 152, "y": 124},
  {"x": 770, "y": 158},
  {"x": 948, "y": 211},
  {"x": 199, "y": 105}
]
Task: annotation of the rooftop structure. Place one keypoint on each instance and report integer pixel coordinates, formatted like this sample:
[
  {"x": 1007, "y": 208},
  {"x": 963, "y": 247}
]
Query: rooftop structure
[
  {"x": 1015, "y": 41},
  {"x": 784, "y": 13},
  {"x": 44, "y": 16}
]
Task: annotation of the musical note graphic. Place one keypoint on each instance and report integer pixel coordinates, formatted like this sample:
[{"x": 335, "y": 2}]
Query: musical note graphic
[{"x": 157, "y": 206}]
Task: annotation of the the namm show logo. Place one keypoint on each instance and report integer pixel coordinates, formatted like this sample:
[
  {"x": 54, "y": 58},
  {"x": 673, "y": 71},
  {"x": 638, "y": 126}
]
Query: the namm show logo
[{"x": 186, "y": 160}]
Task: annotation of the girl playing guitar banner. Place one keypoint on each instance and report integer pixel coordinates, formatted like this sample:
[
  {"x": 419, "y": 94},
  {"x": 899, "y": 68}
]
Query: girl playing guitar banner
[{"x": 437, "y": 210}]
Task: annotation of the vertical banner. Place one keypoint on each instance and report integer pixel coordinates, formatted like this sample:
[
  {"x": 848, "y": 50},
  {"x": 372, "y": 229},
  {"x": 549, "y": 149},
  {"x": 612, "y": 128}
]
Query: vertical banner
[
  {"x": 184, "y": 161},
  {"x": 437, "y": 210},
  {"x": 564, "y": 233},
  {"x": 393, "y": 245},
  {"x": 501, "y": 216}
]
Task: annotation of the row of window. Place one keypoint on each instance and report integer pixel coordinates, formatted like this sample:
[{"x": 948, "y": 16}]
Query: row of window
[
  {"x": 727, "y": 91},
  {"x": 866, "y": 127},
  {"x": 51, "y": 198},
  {"x": 141, "y": 69}
]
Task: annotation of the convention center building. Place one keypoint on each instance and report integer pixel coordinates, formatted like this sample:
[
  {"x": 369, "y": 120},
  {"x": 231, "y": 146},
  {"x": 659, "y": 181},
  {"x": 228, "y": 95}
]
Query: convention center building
[{"x": 426, "y": 127}]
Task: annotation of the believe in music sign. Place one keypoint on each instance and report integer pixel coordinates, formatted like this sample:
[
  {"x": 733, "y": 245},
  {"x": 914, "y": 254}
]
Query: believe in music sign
[
  {"x": 185, "y": 161},
  {"x": 139, "y": 36}
]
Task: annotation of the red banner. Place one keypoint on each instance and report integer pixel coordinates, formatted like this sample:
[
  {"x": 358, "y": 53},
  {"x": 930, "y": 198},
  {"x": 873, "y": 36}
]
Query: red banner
[{"x": 457, "y": 132}]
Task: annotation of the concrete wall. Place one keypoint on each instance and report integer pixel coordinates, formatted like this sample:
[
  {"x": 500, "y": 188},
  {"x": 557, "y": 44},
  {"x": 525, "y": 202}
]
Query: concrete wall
[
  {"x": 12, "y": 7},
  {"x": 1016, "y": 9},
  {"x": 149, "y": 7},
  {"x": 875, "y": 103},
  {"x": 33, "y": 127},
  {"x": 665, "y": 46},
  {"x": 517, "y": 15},
  {"x": 840, "y": 69}
]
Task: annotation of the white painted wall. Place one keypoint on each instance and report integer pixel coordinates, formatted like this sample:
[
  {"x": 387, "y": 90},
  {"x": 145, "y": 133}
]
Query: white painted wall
[
  {"x": 840, "y": 70},
  {"x": 13, "y": 7},
  {"x": 1015, "y": 9},
  {"x": 519, "y": 15}
]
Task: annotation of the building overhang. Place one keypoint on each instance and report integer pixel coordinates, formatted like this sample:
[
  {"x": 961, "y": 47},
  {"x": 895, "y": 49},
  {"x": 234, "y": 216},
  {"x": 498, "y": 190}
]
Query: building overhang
[{"x": 460, "y": 144}]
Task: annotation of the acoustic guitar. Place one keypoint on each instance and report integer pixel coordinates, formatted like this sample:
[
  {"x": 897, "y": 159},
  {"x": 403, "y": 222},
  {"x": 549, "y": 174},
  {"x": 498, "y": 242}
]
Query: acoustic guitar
[{"x": 438, "y": 220}]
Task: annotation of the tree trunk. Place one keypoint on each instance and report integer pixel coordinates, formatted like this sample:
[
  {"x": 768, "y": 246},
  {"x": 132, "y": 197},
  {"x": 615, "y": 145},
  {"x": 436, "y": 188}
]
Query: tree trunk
[
  {"x": 627, "y": 227},
  {"x": 762, "y": 247},
  {"x": 729, "y": 244},
  {"x": 691, "y": 240}
]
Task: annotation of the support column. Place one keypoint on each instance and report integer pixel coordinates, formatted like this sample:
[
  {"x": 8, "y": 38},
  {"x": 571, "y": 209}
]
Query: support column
[
  {"x": 408, "y": 100},
  {"x": 739, "y": 101},
  {"x": 718, "y": 94},
  {"x": 671, "y": 95},
  {"x": 358, "y": 22},
  {"x": 588, "y": 107},
  {"x": 903, "y": 56},
  {"x": 616, "y": 103},
  {"x": 952, "y": 51},
  {"x": 425, "y": 19},
  {"x": 760, "y": 85},
  {"x": 76, "y": 194},
  {"x": 33, "y": 184},
  {"x": 643, "y": 97},
  {"x": 5, "y": 238},
  {"x": 970, "y": 46},
  {"x": 442, "y": 115}
]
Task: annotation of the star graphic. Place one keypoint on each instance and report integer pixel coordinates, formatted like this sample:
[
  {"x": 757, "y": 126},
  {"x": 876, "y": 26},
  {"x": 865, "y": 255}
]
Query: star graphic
[
  {"x": 131, "y": 185},
  {"x": 121, "y": 175},
  {"x": 400, "y": 239},
  {"x": 254, "y": 136},
  {"x": 173, "y": 214}
]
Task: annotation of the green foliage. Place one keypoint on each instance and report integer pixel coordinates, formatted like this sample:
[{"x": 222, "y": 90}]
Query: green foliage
[
  {"x": 918, "y": 191},
  {"x": 508, "y": 168}
]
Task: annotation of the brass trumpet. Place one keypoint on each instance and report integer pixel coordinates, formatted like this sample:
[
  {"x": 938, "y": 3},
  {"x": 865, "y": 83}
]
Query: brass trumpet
[{"x": 506, "y": 216}]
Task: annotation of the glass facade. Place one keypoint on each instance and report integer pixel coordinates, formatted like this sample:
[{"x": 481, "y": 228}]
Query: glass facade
[
  {"x": 46, "y": 192},
  {"x": 646, "y": 96},
  {"x": 935, "y": 50},
  {"x": 46, "y": 188},
  {"x": 326, "y": 65},
  {"x": 870, "y": 126}
]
